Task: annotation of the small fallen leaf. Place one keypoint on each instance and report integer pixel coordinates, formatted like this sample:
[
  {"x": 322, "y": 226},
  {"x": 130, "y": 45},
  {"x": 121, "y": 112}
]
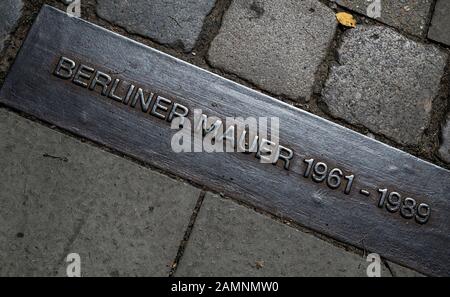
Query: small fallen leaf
[{"x": 346, "y": 19}]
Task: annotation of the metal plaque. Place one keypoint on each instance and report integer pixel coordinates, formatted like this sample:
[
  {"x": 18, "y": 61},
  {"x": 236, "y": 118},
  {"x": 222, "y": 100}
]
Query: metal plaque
[{"x": 125, "y": 95}]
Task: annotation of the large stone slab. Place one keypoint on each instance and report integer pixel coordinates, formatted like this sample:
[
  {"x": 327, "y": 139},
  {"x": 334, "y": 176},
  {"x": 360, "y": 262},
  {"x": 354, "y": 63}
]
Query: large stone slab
[
  {"x": 61, "y": 196},
  {"x": 385, "y": 82},
  {"x": 171, "y": 22},
  {"x": 277, "y": 45},
  {"x": 440, "y": 24},
  {"x": 410, "y": 16},
  {"x": 10, "y": 12},
  {"x": 231, "y": 240},
  {"x": 444, "y": 150}
]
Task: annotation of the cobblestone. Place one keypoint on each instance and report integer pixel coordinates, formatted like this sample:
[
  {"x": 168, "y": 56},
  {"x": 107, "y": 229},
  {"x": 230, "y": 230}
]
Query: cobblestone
[
  {"x": 170, "y": 22},
  {"x": 440, "y": 25},
  {"x": 410, "y": 16},
  {"x": 385, "y": 82},
  {"x": 10, "y": 13},
  {"x": 444, "y": 150},
  {"x": 277, "y": 45}
]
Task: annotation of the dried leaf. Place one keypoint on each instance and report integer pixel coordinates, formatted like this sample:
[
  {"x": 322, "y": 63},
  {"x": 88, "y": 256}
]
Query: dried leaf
[{"x": 346, "y": 19}]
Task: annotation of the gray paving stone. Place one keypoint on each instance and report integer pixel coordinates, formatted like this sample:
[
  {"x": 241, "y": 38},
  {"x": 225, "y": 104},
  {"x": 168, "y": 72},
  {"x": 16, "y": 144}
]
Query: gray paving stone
[
  {"x": 231, "y": 240},
  {"x": 170, "y": 22},
  {"x": 10, "y": 12},
  {"x": 121, "y": 218},
  {"x": 385, "y": 82},
  {"x": 444, "y": 150},
  {"x": 440, "y": 24},
  {"x": 410, "y": 16},
  {"x": 277, "y": 45}
]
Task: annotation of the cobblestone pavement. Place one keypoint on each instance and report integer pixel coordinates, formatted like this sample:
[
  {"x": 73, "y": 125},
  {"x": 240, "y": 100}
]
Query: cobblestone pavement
[
  {"x": 259, "y": 41},
  {"x": 387, "y": 78}
]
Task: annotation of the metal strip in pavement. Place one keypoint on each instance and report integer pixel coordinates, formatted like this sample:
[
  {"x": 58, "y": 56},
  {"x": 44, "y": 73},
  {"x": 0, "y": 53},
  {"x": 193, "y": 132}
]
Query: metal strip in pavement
[{"x": 339, "y": 183}]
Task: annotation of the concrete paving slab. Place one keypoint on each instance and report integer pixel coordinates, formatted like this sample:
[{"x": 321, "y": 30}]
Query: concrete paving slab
[
  {"x": 229, "y": 239},
  {"x": 59, "y": 196}
]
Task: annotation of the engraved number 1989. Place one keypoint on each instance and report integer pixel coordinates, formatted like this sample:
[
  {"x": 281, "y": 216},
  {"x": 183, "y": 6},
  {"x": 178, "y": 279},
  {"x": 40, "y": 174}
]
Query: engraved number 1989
[{"x": 408, "y": 207}]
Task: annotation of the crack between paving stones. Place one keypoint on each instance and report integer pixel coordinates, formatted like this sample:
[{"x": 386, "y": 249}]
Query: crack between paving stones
[
  {"x": 430, "y": 17},
  {"x": 76, "y": 233},
  {"x": 187, "y": 234},
  {"x": 385, "y": 262},
  {"x": 209, "y": 29}
]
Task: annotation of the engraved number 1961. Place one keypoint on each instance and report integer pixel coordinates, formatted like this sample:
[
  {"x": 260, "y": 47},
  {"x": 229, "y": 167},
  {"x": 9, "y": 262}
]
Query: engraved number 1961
[{"x": 333, "y": 177}]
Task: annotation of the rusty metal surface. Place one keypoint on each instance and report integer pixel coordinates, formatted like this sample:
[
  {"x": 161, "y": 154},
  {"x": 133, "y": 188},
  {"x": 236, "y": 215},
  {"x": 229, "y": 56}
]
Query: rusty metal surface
[{"x": 367, "y": 215}]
